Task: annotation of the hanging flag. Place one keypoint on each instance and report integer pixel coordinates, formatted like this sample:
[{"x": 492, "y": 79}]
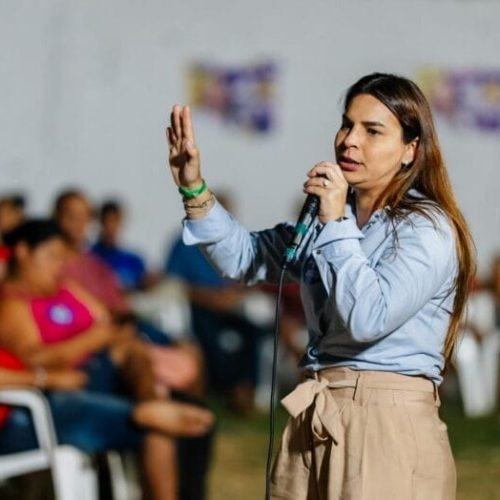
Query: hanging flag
[
  {"x": 243, "y": 96},
  {"x": 464, "y": 98}
]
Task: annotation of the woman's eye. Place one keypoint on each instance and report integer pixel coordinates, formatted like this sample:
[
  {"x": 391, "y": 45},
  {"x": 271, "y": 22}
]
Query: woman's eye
[{"x": 373, "y": 131}]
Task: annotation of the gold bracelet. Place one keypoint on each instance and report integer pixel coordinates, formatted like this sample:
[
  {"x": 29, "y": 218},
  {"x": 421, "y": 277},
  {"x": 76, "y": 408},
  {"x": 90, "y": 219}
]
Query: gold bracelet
[{"x": 199, "y": 206}]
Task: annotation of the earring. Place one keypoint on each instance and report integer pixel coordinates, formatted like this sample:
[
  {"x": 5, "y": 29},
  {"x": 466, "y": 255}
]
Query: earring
[{"x": 405, "y": 166}]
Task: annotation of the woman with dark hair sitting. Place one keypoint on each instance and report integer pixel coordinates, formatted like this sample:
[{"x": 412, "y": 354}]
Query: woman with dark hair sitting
[{"x": 50, "y": 324}]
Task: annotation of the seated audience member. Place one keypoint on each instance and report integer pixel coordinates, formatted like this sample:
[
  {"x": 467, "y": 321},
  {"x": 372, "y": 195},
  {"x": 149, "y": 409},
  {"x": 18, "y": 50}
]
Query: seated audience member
[
  {"x": 476, "y": 360},
  {"x": 13, "y": 374},
  {"x": 11, "y": 215},
  {"x": 128, "y": 266},
  {"x": 52, "y": 324},
  {"x": 73, "y": 213},
  {"x": 12, "y": 212},
  {"x": 229, "y": 341},
  {"x": 177, "y": 366}
]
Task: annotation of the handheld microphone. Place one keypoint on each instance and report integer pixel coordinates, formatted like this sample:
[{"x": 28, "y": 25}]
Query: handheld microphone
[{"x": 307, "y": 214}]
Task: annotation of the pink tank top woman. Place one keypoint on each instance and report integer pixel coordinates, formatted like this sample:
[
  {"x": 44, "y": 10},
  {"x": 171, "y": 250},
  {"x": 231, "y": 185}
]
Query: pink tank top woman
[
  {"x": 58, "y": 317},
  {"x": 61, "y": 316}
]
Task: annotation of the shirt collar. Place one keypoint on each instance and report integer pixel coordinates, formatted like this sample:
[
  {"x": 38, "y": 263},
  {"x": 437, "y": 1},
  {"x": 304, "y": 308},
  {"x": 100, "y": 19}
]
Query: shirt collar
[{"x": 350, "y": 212}]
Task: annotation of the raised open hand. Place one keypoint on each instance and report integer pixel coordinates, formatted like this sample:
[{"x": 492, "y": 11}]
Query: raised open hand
[{"x": 184, "y": 157}]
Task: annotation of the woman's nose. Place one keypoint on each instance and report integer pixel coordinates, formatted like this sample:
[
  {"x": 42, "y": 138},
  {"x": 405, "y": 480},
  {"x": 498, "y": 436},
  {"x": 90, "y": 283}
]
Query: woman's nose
[{"x": 351, "y": 138}]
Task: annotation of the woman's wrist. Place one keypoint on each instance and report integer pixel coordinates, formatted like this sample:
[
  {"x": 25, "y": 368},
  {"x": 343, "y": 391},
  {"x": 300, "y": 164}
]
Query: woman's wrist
[
  {"x": 197, "y": 207},
  {"x": 332, "y": 218},
  {"x": 40, "y": 377},
  {"x": 192, "y": 189}
]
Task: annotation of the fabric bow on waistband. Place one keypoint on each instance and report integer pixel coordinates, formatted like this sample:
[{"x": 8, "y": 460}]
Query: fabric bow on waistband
[{"x": 326, "y": 409}]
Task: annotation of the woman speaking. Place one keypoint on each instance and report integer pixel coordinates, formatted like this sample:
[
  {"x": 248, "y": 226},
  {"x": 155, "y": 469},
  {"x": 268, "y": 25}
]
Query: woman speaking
[{"x": 384, "y": 272}]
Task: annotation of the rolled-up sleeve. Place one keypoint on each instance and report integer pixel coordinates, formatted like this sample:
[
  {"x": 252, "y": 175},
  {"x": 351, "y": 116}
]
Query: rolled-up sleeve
[
  {"x": 215, "y": 226},
  {"x": 374, "y": 301}
]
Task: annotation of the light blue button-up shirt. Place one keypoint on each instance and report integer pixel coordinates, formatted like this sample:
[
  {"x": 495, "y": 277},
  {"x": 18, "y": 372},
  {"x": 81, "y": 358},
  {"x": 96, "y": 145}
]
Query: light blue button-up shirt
[{"x": 376, "y": 298}]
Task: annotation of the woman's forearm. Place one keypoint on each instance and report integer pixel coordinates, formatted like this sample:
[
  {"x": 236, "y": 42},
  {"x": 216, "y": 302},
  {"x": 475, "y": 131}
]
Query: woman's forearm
[
  {"x": 69, "y": 352},
  {"x": 14, "y": 378}
]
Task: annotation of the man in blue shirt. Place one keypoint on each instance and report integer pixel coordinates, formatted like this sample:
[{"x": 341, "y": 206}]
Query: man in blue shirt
[{"x": 128, "y": 266}]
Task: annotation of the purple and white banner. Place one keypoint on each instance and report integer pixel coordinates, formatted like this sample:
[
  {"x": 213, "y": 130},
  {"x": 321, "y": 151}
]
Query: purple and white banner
[
  {"x": 242, "y": 95},
  {"x": 465, "y": 98}
]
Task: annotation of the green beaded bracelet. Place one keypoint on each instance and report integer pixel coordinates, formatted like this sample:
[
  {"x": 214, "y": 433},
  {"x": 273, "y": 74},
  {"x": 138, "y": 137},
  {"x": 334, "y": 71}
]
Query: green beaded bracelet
[{"x": 193, "y": 193}]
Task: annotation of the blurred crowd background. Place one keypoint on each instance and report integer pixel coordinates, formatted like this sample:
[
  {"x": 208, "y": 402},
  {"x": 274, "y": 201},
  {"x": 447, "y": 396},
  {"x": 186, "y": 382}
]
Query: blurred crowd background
[{"x": 89, "y": 214}]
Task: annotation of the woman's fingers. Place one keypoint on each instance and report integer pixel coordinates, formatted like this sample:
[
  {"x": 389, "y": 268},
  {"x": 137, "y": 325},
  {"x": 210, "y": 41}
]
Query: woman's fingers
[
  {"x": 316, "y": 190},
  {"x": 170, "y": 137},
  {"x": 180, "y": 134},
  {"x": 326, "y": 181},
  {"x": 329, "y": 171},
  {"x": 319, "y": 177},
  {"x": 337, "y": 174},
  {"x": 187, "y": 126},
  {"x": 181, "y": 123},
  {"x": 183, "y": 155},
  {"x": 324, "y": 169},
  {"x": 172, "y": 127},
  {"x": 176, "y": 125},
  {"x": 317, "y": 182}
]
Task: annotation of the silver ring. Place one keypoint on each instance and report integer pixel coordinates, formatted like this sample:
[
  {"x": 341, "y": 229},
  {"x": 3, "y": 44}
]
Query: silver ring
[{"x": 326, "y": 182}]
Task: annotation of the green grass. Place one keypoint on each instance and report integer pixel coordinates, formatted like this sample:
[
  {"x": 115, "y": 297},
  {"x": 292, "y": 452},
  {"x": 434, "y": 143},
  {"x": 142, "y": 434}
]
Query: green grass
[
  {"x": 238, "y": 471},
  {"x": 476, "y": 446}
]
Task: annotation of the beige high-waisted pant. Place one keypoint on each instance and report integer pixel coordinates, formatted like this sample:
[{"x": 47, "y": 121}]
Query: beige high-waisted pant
[{"x": 363, "y": 435}]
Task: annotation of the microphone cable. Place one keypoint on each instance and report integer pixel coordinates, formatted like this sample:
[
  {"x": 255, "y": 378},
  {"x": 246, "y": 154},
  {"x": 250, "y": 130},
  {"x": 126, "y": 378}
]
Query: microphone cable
[
  {"x": 306, "y": 218},
  {"x": 273, "y": 384}
]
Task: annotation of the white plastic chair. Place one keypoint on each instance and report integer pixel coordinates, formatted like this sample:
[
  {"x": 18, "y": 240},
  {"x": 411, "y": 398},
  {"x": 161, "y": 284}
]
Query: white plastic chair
[
  {"x": 477, "y": 363},
  {"x": 73, "y": 476}
]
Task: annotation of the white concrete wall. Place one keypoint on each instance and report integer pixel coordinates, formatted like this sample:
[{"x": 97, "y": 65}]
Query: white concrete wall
[{"x": 86, "y": 87}]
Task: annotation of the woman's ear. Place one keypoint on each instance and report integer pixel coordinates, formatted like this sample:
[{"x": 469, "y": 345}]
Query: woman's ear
[{"x": 410, "y": 152}]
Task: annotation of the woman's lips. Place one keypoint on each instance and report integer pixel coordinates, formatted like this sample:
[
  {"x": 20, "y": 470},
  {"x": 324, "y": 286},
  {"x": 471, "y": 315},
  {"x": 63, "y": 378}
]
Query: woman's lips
[{"x": 348, "y": 165}]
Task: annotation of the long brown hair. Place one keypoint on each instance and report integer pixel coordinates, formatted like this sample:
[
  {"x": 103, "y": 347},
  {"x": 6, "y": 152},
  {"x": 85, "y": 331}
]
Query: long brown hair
[{"x": 427, "y": 174}]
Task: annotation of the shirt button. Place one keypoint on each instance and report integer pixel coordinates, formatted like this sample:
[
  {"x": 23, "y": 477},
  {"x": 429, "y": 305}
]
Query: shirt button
[{"x": 317, "y": 252}]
